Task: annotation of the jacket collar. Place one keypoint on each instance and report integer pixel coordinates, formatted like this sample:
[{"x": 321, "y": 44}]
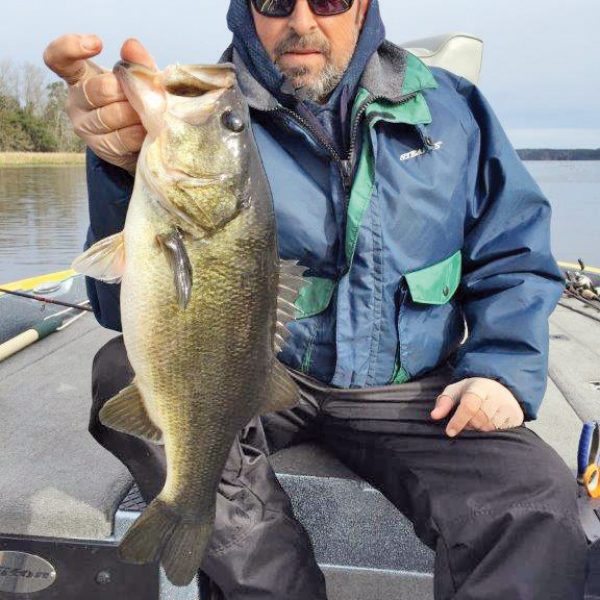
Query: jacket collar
[{"x": 391, "y": 74}]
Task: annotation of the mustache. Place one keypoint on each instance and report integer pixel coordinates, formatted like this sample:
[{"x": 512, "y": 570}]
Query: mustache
[{"x": 294, "y": 42}]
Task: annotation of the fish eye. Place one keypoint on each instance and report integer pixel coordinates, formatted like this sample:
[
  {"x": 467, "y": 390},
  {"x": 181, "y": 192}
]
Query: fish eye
[{"x": 232, "y": 121}]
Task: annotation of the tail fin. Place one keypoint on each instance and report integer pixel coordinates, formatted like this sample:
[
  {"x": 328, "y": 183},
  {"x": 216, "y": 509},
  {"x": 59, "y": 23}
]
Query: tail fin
[{"x": 160, "y": 533}]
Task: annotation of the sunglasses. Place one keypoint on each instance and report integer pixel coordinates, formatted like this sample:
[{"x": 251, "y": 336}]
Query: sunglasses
[{"x": 284, "y": 8}]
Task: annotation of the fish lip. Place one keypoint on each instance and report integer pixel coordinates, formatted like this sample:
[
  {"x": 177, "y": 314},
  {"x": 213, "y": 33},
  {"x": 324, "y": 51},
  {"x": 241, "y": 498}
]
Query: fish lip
[{"x": 127, "y": 66}]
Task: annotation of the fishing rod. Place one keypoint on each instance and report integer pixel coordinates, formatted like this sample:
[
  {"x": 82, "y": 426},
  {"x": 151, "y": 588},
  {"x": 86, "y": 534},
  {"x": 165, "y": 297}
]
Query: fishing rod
[
  {"x": 39, "y": 331},
  {"x": 47, "y": 300}
]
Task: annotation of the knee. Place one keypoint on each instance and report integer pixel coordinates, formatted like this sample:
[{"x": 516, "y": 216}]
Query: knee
[{"x": 551, "y": 482}]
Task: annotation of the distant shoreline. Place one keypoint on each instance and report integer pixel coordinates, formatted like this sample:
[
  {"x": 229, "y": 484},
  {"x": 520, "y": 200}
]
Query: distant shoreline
[
  {"x": 556, "y": 154},
  {"x": 14, "y": 159}
]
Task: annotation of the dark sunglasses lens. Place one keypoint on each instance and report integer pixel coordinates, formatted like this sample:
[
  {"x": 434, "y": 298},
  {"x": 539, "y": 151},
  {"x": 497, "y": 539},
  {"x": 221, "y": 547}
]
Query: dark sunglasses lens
[
  {"x": 326, "y": 8},
  {"x": 275, "y": 8},
  {"x": 284, "y": 8}
]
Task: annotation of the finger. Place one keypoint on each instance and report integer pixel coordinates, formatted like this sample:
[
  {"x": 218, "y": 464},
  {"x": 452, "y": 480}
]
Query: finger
[
  {"x": 67, "y": 55},
  {"x": 468, "y": 407},
  {"x": 115, "y": 116},
  {"x": 490, "y": 406},
  {"x": 103, "y": 90},
  {"x": 482, "y": 422},
  {"x": 443, "y": 405},
  {"x": 124, "y": 141},
  {"x": 133, "y": 51}
]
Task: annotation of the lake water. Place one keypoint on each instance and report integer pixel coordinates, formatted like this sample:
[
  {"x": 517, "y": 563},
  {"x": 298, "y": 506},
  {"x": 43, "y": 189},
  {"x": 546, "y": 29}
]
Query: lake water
[{"x": 43, "y": 215}]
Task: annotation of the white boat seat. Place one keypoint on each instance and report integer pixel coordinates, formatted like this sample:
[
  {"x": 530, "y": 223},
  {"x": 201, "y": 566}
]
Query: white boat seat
[{"x": 459, "y": 53}]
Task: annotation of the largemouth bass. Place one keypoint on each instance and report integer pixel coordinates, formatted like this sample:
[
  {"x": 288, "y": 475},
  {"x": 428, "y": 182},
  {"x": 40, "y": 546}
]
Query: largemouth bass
[{"x": 204, "y": 300}]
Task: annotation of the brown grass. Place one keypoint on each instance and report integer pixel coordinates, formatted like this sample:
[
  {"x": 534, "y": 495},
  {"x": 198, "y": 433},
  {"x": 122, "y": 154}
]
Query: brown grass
[{"x": 9, "y": 159}]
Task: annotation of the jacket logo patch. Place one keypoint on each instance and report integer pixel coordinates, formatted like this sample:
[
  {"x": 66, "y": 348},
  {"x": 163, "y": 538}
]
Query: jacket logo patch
[{"x": 416, "y": 153}]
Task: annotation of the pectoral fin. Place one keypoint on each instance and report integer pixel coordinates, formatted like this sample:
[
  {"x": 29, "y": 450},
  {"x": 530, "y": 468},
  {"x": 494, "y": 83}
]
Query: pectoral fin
[
  {"x": 174, "y": 249},
  {"x": 281, "y": 391},
  {"x": 104, "y": 261},
  {"x": 126, "y": 413}
]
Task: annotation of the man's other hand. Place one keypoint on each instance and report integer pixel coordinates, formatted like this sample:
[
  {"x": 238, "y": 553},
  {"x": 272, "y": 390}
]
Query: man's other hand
[
  {"x": 96, "y": 104},
  {"x": 483, "y": 404}
]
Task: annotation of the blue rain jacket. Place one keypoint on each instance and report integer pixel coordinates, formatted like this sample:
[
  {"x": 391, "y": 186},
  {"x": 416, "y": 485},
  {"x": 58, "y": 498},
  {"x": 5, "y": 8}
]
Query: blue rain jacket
[{"x": 430, "y": 223}]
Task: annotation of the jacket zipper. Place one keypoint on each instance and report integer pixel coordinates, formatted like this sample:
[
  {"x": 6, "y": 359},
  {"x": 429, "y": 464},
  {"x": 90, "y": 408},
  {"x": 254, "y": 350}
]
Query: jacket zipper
[{"x": 345, "y": 165}]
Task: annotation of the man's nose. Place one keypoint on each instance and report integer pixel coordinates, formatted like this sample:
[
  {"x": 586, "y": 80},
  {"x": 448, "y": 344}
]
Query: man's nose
[{"x": 302, "y": 20}]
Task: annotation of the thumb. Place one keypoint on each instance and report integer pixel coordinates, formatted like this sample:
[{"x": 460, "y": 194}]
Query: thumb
[
  {"x": 133, "y": 51},
  {"x": 446, "y": 401},
  {"x": 67, "y": 55}
]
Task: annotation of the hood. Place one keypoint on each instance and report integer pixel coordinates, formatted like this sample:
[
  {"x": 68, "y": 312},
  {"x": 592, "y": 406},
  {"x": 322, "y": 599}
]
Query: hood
[{"x": 262, "y": 68}]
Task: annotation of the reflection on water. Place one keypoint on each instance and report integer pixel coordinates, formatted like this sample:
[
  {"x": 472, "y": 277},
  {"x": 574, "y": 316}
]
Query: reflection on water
[{"x": 43, "y": 215}]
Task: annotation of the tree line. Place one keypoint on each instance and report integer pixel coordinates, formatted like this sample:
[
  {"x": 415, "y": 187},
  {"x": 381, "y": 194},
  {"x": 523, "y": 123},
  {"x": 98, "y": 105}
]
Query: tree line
[{"x": 32, "y": 111}]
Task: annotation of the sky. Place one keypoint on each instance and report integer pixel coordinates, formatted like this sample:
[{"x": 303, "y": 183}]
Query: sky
[{"x": 540, "y": 69}]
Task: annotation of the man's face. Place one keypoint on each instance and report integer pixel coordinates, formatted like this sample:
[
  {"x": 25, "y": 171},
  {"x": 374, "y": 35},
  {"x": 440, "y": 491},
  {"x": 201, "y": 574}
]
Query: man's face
[{"x": 312, "y": 51}]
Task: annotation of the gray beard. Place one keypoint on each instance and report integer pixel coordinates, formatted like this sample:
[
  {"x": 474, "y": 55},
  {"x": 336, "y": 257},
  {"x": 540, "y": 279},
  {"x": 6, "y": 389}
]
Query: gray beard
[{"x": 318, "y": 90}]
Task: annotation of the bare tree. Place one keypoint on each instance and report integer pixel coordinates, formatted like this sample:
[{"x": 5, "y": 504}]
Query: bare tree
[
  {"x": 9, "y": 78},
  {"x": 33, "y": 89}
]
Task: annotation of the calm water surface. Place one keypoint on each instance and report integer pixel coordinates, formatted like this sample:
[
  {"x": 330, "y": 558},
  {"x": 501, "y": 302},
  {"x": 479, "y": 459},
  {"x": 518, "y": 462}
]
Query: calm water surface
[
  {"x": 43, "y": 219},
  {"x": 43, "y": 215}
]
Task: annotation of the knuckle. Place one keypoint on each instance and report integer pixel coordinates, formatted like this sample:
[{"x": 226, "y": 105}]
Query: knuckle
[
  {"x": 104, "y": 88},
  {"x": 471, "y": 402}
]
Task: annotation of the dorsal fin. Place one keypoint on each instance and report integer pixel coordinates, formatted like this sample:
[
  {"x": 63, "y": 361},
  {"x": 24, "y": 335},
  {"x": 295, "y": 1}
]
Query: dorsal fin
[
  {"x": 290, "y": 283},
  {"x": 280, "y": 392}
]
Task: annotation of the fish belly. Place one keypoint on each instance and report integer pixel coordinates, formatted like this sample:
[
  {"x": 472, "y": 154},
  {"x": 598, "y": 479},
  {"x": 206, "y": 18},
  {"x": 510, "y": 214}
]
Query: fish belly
[{"x": 200, "y": 369}]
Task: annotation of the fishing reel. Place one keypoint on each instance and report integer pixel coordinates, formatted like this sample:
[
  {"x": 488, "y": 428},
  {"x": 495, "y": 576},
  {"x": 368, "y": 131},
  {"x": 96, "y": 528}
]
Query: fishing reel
[{"x": 580, "y": 284}]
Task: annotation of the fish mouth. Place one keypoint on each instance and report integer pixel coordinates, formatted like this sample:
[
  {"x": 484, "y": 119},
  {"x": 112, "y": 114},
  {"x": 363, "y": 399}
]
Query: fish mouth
[
  {"x": 143, "y": 88},
  {"x": 124, "y": 66},
  {"x": 127, "y": 73}
]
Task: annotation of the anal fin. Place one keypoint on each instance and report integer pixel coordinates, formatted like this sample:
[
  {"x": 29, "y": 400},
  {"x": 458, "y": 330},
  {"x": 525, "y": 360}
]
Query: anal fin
[
  {"x": 126, "y": 412},
  {"x": 281, "y": 391}
]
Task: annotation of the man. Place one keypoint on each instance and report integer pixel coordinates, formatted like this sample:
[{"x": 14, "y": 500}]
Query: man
[{"x": 398, "y": 190}]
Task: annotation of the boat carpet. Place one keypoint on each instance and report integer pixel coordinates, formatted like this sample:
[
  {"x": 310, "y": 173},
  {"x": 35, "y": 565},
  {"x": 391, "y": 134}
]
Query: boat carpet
[{"x": 57, "y": 481}]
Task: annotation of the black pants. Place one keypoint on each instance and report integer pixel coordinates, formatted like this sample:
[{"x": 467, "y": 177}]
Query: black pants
[{"x": 498, "y": 508}]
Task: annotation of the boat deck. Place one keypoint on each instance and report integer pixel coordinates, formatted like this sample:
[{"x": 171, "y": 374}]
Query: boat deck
[{"x": 59, "y": 483}]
